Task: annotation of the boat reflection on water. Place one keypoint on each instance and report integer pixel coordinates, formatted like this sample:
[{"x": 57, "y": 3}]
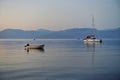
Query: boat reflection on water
[{"x": 91, "y": 49}]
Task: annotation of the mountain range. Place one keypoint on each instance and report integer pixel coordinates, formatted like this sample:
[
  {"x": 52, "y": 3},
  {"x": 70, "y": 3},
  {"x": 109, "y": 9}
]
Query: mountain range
[{"x": 73, "y": 33}]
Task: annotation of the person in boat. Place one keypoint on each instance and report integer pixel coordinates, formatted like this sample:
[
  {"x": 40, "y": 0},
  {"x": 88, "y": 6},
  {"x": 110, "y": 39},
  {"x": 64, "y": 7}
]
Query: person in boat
[
  {"x": 27, "y": 45},
  {"x": 90, "y": 37}
]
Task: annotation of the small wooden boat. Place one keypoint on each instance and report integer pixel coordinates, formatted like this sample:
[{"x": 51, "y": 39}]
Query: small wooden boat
[{"x": 34, "y": 46}]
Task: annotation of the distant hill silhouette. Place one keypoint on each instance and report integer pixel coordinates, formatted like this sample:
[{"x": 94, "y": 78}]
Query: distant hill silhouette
[
  {"x": 62, "y": 34},
  {"x": 17, "y": 33}
]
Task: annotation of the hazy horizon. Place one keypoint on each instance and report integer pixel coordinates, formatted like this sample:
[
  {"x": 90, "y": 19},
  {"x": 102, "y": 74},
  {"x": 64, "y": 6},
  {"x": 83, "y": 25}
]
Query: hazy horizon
[
  {"x": 59, "y": 14},
  {"x": 59, "y": 29}
]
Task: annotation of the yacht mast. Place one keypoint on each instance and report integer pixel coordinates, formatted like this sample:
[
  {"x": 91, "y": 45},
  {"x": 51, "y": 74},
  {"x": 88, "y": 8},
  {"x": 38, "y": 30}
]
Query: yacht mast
[{"x": 93, "y": 24}]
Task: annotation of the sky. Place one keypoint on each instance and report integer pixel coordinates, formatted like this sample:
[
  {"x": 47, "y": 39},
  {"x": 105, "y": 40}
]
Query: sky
[{"x": 59, "y": 14}]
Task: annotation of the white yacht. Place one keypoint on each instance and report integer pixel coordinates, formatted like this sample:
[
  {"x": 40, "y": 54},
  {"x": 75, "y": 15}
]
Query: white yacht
[{"x": 92, "y": 38}]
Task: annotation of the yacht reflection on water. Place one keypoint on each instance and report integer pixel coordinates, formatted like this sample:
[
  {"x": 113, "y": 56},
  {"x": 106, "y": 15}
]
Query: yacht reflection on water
[
  {"x": 91, "y": 49},
  {"x": 91, "y": 44}
]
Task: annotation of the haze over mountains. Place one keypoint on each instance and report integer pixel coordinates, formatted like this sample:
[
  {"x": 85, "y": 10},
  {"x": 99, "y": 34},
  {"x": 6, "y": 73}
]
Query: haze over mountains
[{"x": 73, "y": 33}]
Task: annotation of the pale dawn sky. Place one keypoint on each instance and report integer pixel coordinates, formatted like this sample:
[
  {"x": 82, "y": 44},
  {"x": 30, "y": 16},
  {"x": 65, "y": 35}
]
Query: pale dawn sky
[{"x": 59, "y": 14}]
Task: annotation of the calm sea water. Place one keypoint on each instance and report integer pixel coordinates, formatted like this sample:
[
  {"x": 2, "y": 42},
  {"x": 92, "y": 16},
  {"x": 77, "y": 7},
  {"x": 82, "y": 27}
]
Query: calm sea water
[{"x": 60, "y": 60}]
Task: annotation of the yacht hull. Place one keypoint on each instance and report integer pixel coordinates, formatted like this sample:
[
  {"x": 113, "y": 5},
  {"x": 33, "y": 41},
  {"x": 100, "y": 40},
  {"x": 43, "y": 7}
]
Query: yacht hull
[{"x": 92, "y": 40}]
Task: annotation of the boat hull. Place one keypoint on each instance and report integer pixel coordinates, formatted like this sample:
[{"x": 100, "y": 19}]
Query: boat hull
[
  {"x": 34, "y": 47},
  {"x": 92, "y": 40}
]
